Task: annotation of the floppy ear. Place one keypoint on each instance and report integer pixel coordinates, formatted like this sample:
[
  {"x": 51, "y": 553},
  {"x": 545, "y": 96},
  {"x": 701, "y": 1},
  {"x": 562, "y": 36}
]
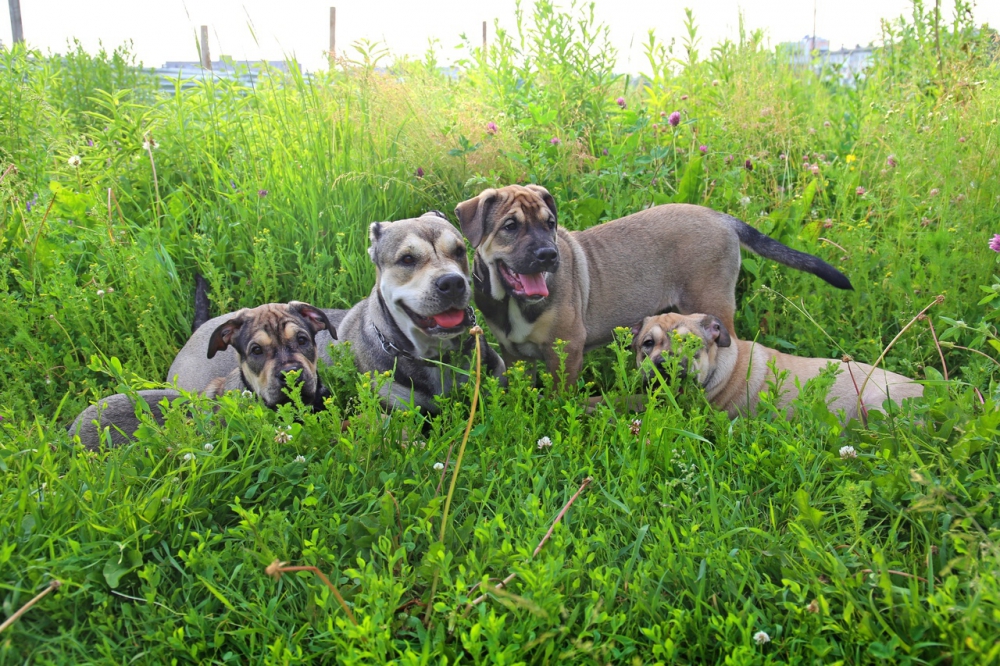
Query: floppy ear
[
  {"x": 374, "y": 233},
  {"x": 472, "y": 215},
  {"x": 315, "y": 317},
  {"x": 223, "y": 336},
  {"x": 716, "y": 330},
  {"x": 546, "y": 197},
  {"x": 636, "y": 329}
]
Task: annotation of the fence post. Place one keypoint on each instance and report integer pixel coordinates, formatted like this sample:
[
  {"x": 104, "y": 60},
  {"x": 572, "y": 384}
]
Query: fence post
[
  {"x": 15, "y": 20},
  {"x": 206, "y": 57},
  {"x": 333, "y": 33},
  {"x": 484, "y": 39}
]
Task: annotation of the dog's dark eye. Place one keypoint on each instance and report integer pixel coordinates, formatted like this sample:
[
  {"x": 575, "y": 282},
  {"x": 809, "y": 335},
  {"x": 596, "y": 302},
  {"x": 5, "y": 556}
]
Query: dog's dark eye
[
  {"x": 552, "y": 223},
  {"x": 647, "y": 343},
  {"x": 407, "y": 260},
  {"x": 302, "y": 339},
  {"x": 510, "y": 226},
  {"x": 255, "y": 350}
]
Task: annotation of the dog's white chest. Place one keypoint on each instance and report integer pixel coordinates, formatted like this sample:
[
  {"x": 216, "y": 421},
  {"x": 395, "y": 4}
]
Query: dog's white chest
[
  {"x": 520, "y": 329},
  {"x": 523, "y": 335}
]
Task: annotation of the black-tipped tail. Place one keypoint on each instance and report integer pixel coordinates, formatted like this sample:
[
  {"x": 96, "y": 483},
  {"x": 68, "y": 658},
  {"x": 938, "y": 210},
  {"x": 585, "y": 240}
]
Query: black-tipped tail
[
  {"x": 766, "y": 246},
  {"x": 201, "y": 314}
]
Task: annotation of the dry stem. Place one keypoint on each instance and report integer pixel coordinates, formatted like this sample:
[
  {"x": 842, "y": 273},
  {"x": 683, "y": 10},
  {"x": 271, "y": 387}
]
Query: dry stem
[
  {"x": 276, "y": 568},
  {"x": 938, "y": 299},
  {"x": 477, "y": 333},
  {"x": 506, "y": 581},
  {"x": 23, "y": 609}
]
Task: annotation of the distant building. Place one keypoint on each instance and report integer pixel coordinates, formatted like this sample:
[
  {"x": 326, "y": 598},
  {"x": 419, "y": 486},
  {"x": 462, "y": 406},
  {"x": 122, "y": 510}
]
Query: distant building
[
  {"x": 189, "y": 72},
  {"x": 815, "y": 52},
  {"x": 227, "y": 64}
]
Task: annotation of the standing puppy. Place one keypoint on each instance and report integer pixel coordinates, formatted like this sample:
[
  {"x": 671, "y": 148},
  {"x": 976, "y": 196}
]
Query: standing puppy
[
  {"x": 536, "y": 283},
  {"x": 414, "y": 321},
  {"x": 735, "y": 372}
]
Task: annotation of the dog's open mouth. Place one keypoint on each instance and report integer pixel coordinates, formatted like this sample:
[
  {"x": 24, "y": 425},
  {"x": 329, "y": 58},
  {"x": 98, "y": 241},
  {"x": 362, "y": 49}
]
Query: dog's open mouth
[
  {"x": 449, "y": 321},
  {"x": 524, "y": 285}
]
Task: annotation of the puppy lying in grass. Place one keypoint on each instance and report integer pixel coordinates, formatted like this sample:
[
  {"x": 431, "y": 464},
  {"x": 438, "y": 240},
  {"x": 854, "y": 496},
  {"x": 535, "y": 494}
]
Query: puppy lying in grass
[
  {"x": 271, "y": 341},
  {"x": 735, "y": 372}
]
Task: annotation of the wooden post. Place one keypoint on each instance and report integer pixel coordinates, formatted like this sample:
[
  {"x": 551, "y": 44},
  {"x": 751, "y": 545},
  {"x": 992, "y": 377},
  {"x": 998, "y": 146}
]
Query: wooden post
[
  {"x": 206, "y": 57},
  {"x": 333, "y": 32},
  {"x": 15, "y": 20},
  {"x": 484, "y": 39}
]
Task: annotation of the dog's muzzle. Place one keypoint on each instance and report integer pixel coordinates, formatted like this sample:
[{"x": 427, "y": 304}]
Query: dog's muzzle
[{"x": 658, "y": 364}]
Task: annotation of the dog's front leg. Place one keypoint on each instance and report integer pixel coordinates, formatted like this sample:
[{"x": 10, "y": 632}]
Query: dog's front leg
[
  {"x": 494, "y": 364},
  {"x": 574, "y": 361}
]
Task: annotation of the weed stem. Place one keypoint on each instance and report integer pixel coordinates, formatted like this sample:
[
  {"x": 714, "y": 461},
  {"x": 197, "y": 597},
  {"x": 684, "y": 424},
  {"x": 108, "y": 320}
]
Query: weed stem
[
  {"x": 23, "y": 609},
  {"x": 476, "y": 332}
]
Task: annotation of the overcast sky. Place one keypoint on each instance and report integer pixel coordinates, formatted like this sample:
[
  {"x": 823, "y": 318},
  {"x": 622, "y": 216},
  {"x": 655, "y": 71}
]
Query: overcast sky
[{"x": 164, "y": 30}]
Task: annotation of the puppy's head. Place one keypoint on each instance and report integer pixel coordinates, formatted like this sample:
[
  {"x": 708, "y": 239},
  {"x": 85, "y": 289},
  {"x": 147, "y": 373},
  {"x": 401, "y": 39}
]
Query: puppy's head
[
  {"x": 423, "y": 274},
  {"x": 272, "y": 340},
  {"x": 514, "y": 231},
  {"x": 654, "y": 338}
]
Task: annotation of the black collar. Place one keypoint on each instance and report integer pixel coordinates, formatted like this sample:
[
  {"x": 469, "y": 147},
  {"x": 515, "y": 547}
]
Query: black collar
[{"x": 393, "y": 350}]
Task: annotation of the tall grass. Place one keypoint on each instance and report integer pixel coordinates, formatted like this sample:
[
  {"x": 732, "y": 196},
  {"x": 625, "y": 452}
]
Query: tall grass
[{"x": 696, "y": 533}]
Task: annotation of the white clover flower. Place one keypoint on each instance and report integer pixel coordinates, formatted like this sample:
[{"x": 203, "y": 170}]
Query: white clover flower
[
  {"x": 208, "y": 446},
  {"x": 438, "y": 466},
  {"x": 745, "y": 201},
  {"x": 300, "y": 459},
  {"x": 100, "y": 292},
  {"x": 150, "y": 144},
  {"x": 188, "y": 457},
  {"x": 848, "y": 452},
  {"x": 544, "y": 443},
  {"x": 74, "y": 161},
  {"x": 761, "y": 637},
  {"x": 635, "y": 427},
  {"x": 111, "y": 290},
  {"x": 283, "y": 436},
  {"x": 247, "y": 393}
]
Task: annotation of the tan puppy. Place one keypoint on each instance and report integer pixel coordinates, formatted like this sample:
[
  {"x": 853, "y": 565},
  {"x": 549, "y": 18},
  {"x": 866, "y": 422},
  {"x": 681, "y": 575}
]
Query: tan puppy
[
  {"x": 735, "y": 372},
  {"x": 535, "y": 282}
]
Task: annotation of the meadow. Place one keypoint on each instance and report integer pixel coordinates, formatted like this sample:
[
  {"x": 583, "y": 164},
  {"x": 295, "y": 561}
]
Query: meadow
[{"x": 696, "y": 540}]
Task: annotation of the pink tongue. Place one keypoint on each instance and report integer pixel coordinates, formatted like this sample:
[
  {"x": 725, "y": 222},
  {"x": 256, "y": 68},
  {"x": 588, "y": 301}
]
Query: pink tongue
[
  {"x": 534, "y": 285},
  {"x": 449, "y": 319}
]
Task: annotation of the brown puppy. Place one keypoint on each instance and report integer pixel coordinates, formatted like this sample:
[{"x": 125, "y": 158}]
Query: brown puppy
[
  {"x": 535, "y": 282},
  {"x": 735, "y": 372}
]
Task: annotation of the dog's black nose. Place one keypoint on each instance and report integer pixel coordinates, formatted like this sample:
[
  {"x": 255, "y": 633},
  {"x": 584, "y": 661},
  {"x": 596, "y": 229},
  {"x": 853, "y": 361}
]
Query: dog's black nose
[
  {"x": 452, "y": 284},
  {"x": 546, "y": 254},
  {"x": 291, "y": 367}
]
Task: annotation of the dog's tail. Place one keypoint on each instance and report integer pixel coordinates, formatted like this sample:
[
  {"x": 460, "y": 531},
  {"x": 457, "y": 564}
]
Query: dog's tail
[
  {"x": 201, "y": 314},
  {"x": 766, "y": 246}
]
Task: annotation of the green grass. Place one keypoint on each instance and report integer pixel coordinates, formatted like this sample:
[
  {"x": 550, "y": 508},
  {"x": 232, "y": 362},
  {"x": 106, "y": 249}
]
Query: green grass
[{"x": 695, "y": 533}]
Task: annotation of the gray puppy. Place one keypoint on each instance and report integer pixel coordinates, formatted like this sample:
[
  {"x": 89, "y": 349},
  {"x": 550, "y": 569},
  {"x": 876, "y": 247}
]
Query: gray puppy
[
  {"x": 413, "y": 323},
  {"x": 270, "y": 341},
  {"x": 193, "y": 371}
]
